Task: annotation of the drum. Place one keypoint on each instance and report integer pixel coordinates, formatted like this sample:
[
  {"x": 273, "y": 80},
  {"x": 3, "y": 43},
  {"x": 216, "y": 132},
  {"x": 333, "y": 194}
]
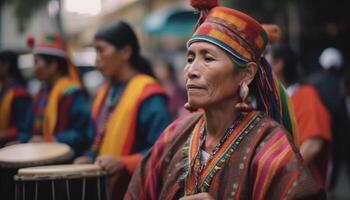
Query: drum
[
  {"x": 18, "y": 156},
  {"x": 61, "y": 182}
]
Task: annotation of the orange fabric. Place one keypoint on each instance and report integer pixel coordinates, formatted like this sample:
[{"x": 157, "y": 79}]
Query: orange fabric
[
  {"x": 312, "y": 116},
  {"x": 314, "y": 121},
  {"x": 132, "y": 161},
  {"x": 5, "y": 109}
]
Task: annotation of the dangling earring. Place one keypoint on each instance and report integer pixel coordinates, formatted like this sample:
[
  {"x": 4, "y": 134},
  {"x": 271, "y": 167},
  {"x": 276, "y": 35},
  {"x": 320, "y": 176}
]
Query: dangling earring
[{"x": 243, "y": 106}]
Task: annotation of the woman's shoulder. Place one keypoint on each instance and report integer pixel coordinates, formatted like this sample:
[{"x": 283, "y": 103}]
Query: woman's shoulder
[
  {"x": 180, "y": 128},
  {"x": 272, "y": 136}
]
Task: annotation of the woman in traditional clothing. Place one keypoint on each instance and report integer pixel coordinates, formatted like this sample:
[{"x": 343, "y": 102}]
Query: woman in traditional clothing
[
  {"x": 15, "y": 100},
  {"x": 130, "y": 110},
  {"x": 227, "y": 150},
  {"x": 61, "y": 110}
]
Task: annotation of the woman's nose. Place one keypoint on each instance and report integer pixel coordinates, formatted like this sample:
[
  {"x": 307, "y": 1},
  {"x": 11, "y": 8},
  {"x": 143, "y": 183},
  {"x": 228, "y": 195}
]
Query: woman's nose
[{"x": 192, "y": 70}]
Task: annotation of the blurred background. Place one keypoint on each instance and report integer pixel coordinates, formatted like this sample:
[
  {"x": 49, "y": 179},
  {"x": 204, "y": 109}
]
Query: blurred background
[{"x": 163, "y": 26}]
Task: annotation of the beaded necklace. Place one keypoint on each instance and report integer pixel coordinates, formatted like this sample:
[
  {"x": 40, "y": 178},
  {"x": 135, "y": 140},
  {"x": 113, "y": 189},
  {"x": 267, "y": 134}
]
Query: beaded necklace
[{"x": 203, "y": 136}]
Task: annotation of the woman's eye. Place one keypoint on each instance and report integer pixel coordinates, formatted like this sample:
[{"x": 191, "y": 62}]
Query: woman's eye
[
  {"x": 190, "y": 59},
  {"x": 208, "y": 59}
]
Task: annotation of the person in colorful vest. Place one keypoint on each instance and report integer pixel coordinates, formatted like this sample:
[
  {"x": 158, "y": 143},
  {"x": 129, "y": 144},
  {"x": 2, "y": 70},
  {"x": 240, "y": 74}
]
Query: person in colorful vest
[
  {"x": 227, "y": 149},
  {"x": 61, "y": 110},
  {"x": 130, "y": 110},
  {"x": 15, "y": 100}
]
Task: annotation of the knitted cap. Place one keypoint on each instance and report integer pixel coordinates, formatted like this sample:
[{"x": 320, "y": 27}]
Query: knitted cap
[
  {"x": 51, "y": 44},
  {"x": 237, "y": 33}
]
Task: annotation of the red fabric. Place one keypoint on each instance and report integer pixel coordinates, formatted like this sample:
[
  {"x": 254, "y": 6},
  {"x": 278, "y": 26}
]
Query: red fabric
[
  {"x": 63, "y": 117},
  {"x": 21, "y": 92},
  {"x": 11, "y": 133},
  {"x": 313, "y": 121},
  {"x": 131, "y": 162}
]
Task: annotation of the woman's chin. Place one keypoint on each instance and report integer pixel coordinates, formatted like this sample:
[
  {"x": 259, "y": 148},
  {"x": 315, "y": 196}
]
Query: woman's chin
[{"x": 194, "y": 105}]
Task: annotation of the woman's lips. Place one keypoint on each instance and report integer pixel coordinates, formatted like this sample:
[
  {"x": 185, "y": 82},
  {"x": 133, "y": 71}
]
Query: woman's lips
[{"x": 193, "y": 86}]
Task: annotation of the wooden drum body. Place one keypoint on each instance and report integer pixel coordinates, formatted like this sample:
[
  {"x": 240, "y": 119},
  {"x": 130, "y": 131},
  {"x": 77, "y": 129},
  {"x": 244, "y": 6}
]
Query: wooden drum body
[
  {"x": 18, "y": 156},
  {"x": 61, "y": 182}
]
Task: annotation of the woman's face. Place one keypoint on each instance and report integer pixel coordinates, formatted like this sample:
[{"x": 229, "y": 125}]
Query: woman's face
[
  {"x": 210, "y": 74},
  {"x": 43, "y": 70},
  {"x": 108, "y": 58}
]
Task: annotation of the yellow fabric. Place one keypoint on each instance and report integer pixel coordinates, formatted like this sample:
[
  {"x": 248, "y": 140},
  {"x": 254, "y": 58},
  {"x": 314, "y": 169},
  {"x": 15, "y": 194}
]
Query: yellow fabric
[
  {"x": 5, "y": 109},
  {"x": 122, "y": 117},
  {"x": 99, "y": 100},
  {"x": 51, "y": 110}
]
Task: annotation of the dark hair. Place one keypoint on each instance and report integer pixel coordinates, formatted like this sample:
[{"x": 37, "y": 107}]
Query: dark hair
[
  {"x": 61, "y": 62},
  {"x": 290, "y": 70},
  {"x": 11, "y": 58},
  {"x": 120, "y": 34}
]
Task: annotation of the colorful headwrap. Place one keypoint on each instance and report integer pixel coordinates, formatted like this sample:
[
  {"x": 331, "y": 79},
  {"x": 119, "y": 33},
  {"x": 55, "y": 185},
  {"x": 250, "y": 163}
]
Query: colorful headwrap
[
  {"x": 245, "y": 40},
  {"x": 54, "y": 45}
]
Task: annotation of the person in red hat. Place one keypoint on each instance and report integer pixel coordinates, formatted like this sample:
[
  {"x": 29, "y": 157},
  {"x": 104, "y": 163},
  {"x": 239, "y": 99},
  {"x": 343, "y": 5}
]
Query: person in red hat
[
  {"x": 228, "y": 149},
  {"x": 15, "y": 100},
  {"x": 61, "y": 111}
]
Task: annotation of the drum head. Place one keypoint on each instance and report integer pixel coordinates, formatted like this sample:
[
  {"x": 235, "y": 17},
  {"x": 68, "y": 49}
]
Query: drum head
[
  {"x": 59, "y": 171},
  {"x": 30, "y": 154}
]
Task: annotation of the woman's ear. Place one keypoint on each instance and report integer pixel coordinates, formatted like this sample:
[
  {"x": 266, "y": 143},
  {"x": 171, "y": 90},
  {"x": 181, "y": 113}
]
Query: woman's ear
[
  {"x": 126, "y": 52},
  {"x": 249, "y": 72}
]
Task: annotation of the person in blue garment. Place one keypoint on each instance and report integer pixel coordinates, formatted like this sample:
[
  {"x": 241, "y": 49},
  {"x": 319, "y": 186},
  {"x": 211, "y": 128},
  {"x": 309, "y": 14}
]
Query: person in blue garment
[
  {"x": 61, "y": 110},
  {"x": 130, "y": 110},
  {"x": 15, "y": 100}
]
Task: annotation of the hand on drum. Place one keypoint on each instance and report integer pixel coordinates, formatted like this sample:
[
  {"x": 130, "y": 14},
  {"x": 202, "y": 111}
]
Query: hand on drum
[
  {"x": 110, "y": 164},
  {"x": 83, "y": 160},
  {"x": 199, "y": 196}
]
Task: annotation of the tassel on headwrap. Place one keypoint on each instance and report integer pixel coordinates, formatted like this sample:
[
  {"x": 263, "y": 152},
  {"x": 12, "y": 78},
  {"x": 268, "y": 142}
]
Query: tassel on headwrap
[
  {"x": 276, "y": 101},
  {"x": 245, "y": 40},
  {"x": 203, "y": 6}
]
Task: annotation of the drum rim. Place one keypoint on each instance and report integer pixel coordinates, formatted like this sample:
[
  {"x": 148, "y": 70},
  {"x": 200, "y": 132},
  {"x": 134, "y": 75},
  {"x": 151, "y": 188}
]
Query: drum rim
[
  {"x": 21, "y": 164},
  {"x": 87, "y": 171}
]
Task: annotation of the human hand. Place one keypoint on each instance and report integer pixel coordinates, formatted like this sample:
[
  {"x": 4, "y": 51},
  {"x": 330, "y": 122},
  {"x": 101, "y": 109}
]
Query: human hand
[
  {"x": 199, "y": 196},
  {"x": 83, "y": 160},
  {"x": 110, "y": 164}
]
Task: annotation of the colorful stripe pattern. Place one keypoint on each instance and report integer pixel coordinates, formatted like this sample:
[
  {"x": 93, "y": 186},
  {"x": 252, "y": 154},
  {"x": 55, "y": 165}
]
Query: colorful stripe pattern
[
  {"x": 236, "y": 32},
  {"x": 218, "y": 160},
  {"x": 269, "y": 162},
  {"x": 121, "y": 128}
]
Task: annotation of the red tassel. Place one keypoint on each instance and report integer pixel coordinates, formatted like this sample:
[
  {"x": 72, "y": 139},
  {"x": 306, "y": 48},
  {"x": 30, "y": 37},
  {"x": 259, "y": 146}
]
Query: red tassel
[
  {"x": 31, "y": 42},
  {"x": 273, "y": 32},
  {"x": 204, "y": 4}
]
